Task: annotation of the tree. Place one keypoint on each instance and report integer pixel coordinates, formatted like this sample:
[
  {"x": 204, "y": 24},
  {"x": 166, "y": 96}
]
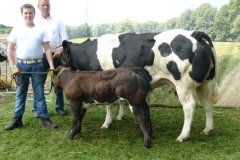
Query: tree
[
  {"x": 171, "y": 23},
  {"x": 222, "y": 24},
  {"x": 234, "y": 12},
  {"x": 236, "y": 28},
  {"x": 204, "y": 18},
  {"x": 186, "y": 20},
  {"x": 124, "y": 26}
]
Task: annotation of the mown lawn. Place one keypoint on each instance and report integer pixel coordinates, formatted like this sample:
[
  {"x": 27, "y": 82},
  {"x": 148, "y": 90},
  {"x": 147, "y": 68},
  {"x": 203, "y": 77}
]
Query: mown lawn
[{"x": 123, "y": 139}]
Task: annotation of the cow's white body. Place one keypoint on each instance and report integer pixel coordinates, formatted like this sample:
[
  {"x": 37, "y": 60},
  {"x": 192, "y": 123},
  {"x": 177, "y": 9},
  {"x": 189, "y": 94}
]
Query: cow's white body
[{"x": 189, "y": 91}]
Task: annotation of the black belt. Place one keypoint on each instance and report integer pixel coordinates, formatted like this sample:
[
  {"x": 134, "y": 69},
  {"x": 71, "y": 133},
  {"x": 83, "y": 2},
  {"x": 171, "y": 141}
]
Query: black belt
[{"x": 29, "y": 61}]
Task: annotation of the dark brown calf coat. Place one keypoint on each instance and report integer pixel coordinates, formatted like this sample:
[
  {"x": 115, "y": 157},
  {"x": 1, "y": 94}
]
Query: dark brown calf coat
[{"x": 107, "y": 86}]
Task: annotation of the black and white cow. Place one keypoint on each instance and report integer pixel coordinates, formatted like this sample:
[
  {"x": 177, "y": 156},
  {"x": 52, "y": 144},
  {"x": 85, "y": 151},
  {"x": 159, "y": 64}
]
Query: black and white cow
[
  {"x": 134, "y": 46},
  {"x": 184, "y": 59},
  {"x": 3, "y": 51}
]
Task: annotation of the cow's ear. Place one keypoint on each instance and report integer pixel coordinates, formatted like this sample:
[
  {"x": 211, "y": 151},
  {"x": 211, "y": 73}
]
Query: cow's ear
[
  {"x": 151, "y": 40},
  {"x": 66, "y": 44},
  {"x": 124, "y": 38}
]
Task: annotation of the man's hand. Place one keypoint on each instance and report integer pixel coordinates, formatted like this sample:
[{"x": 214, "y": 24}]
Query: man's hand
[
  {"x": 58, "y": 52},
  {"x": 15, "y": 70},
  {"x": 51, "y": 72}
]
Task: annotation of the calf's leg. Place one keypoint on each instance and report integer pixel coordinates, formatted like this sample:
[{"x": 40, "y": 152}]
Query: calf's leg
[
  {"x": 78, "y": 114},
  {"x": 108, "y": 118},
  {"x": 142, "y": 114},
  {"x": 121, "y": 109}
]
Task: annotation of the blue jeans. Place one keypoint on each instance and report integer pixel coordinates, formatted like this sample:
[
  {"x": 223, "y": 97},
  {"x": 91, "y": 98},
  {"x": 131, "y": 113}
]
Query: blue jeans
[
  {"x": 59, "y": 103},
  {"x": 22, "y": 82}
]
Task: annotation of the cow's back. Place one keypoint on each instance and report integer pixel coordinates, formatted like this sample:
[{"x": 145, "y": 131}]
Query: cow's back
[{"x": 180, "y": 58}]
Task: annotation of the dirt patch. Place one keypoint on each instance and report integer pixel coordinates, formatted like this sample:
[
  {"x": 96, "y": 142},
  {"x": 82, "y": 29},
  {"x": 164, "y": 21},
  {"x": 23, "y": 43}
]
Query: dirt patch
[{"x": 229, "y": 90}]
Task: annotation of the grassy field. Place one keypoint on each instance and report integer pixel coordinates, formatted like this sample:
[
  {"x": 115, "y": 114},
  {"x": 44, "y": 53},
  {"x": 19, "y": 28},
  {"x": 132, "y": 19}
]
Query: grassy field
[{"x": 123, "y": 139}]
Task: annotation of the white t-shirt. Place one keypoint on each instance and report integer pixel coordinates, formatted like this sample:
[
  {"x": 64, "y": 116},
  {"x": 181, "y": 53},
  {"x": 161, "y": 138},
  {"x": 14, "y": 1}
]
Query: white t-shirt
[
  {"x": 55, "y": 28},
  {"x": 28, "y": 41}
]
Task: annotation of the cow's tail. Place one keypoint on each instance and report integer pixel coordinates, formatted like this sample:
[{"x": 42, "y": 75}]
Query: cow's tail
[
  {"x": 215, "y": 88},
  {"x": 214, "y": 91},
  {"x": 203, "y": 38}
]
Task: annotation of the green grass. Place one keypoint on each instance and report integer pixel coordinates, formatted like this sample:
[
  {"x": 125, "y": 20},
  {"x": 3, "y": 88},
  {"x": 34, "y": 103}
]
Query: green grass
[
  {"x": 123, "y": 139},
  {"x": 228, "y": 56}
]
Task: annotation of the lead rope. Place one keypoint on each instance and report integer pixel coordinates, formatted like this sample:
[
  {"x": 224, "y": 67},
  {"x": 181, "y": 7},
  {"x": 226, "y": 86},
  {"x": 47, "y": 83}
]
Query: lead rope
[{"x": 50, "y": 73}]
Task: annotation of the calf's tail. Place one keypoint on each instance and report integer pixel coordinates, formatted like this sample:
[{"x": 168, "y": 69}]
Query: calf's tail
[{"x": 144, "y": 78}]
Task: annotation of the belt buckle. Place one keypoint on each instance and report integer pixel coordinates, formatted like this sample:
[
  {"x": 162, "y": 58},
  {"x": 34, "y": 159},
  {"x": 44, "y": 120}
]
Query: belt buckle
[{"x": 32, "y": 61}]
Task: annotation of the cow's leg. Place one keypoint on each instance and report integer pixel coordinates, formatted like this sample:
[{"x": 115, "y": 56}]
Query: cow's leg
[
  {"x": 108, "y": 118},
  {"x": 78, "y": 114},
  {"x": 188, "y": 102},
  {"x": 205, "y": 100},
  {"x": 142, "y": 114},
  {"x": 121, "y": 110},
  {"x": 131, "y": 108}
]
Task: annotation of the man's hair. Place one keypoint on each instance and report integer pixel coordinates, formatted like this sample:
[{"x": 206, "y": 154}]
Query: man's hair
[
  {"x": 41, "y": 0},
  {"x": 27, "y": 6}
]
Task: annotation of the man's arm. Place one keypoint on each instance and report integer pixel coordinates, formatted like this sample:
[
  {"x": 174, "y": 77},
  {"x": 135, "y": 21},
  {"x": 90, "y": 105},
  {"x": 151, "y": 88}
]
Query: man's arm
[
  {"x": 48, "y": 53},
  {"x": 11, "y": 58}
]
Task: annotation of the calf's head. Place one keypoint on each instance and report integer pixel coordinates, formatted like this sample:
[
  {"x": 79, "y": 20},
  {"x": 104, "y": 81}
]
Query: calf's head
[{"x": 56, "y": 81}]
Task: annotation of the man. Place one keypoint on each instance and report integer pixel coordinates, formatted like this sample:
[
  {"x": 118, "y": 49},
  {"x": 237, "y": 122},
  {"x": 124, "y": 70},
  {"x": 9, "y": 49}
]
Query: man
[
  {"x": 26, "y": 43},
  {"x": 58, "y": 33}
]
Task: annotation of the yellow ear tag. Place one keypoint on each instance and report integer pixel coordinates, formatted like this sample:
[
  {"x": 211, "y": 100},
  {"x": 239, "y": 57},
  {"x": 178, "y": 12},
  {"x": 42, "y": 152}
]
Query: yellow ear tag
[{"x": 50, "y": 73}]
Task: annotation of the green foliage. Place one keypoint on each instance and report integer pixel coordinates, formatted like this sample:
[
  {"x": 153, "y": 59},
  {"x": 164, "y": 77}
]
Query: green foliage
[
  {"x": 125, "y": 26},
  {"x": 235, "y": 29},
  {"x": 220, "y": 25},
  {"x": 4, "y": 29},
  {"x": 186, "y": 20}
]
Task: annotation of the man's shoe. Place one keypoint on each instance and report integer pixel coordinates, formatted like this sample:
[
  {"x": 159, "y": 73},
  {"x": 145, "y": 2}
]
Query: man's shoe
[
  {"x": 60, "y": 111},
  {"x": 34, "y": 115},
  {"x": 16, "y": 123},
  {"x": 46, "y": 123}
]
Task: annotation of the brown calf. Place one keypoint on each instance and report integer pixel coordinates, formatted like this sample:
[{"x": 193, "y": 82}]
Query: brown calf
[{"x": 107, "y": 86}]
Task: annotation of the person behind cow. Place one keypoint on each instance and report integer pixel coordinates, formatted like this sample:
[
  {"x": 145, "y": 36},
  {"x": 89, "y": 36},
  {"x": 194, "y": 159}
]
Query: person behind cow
[
  {"x": 26, "y": 43},
  {"x": 58, "y": 33}
]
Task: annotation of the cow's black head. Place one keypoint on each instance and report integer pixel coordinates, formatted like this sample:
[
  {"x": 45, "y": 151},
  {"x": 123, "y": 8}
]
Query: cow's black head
[
  {"x": 134, "y": 50},
  {"x": 80, "y": 56},
  {"x": 66, "y": 54}
]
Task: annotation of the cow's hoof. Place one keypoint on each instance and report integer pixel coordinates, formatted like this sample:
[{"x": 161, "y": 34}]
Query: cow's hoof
[
  {"x": 119, "y": 118},
  {"x": 182, "y": 139},
  {"x": 104, "y": 127},
  {"x": 70, "y": 138},
  {"x": 206, "y": 132},
  {"x": 147, "y": 145}
]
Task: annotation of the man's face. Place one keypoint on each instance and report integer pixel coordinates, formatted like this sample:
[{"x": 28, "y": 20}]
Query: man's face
[
  {"x": 28, "y": 14},
  {"x": 44, "y": 7}
]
